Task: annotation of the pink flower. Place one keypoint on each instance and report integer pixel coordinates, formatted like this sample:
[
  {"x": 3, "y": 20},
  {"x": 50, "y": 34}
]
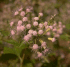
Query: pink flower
[
  {"x": 35, "y": 23},
  {"x": 53, "y": 40},
  {"x": 54, "y": 24},
  {"x": 27, "y": 10},
  {"x": 22, "y": 13},
  {"x": 25, "y": 19},
  {"x": 19, "y": 22},
  {"x": 40, "y": 14},
  {"x": 48, "y": 33},
  {"x": 28, "y": 26},
  {"x": 60, "y": 26},
  {"x": 59, "y": 31},
  {"x": 39, "y": 54},
  {"x": 36, "y": 18},
  {"x": 29, "y": 35},
  {"x": 51, "y": 27},
  {"x": 40, "y": 25},
  {"x": 46, "y": 27},
  {"x": 46, "y": 50},
  {"x": 16, "y": 13},
  {"x": 12, "y": 32},
  {"x": 56, "y": 35},
  {"x": 30, "y": 31},
  {"x": 26, "y": 38},
  {"x": 63, "y": 26},
  {"x": 45, "y": 23},
  {"x": 60, "y": 23},
  {"x": 34, "y": 33},
  {"x": 18, "y": 28},
  {"x": 43, "y": 44},
  {"x": 20, "y": 9},
  {"x": 35, "y": 46},
  {"x": 40, "y": 32},
  {"x": 22, "y": 28},
  {"x": 11, "y": 23},
  {"x": 54, "y": 29}
]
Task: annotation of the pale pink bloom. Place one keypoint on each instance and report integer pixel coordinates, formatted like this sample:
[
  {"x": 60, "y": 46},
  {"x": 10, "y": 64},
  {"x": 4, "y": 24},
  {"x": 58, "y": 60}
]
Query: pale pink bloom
[
  {"x": 20, "y": 9},
  {"x": 29, "y": 35},
  {"x": 51, "y": 27},
  {"x": 63, "y": 26},
  {"x": 56, "y": 35},
  {"x": 40, "y": 14},
  {"x": 22, "y": 28},
  {"x": 16, "y": 13},
  {"x": 25, "y": 19},
  {"x": 48, "y": 33},
  {"x": 34, "y": 33},
  {"x": 46, "y": 27},
  {"x": 35, "y": 46},
  {"x": 40, "y": 32},
  {"x": 30, "y": 31},
  {"x": 40, "y": 25},
  {"x": 54, "y": 24},
  {"x": 22, "y": 13},
  {"x": 35, "y": 23},
  {"x": 54, "y": 29},
  {"x": 45, "y": 23},
  {"x": 18, "y": 28},
  {"x": 39, "y": 54},
  {"x": 46, "y": 50},
  {"x": 60, "y": 23},
  {"x": 12, "y": 32},
  {"x": 26, "y": 38},
  {"x": 53, "y": 40},
  {"x": 27, "y": 10},
  {"x": 43, "y": 44},
  {"x": 19, "y": 22},
  {"x": 59, "y": 31},
  {"x": 36, "y": 18},
  {"x": 11, "y": 23},
  {"x": 28, "y": 26}
]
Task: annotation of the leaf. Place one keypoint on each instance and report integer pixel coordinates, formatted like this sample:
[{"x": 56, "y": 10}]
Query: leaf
[
  {"x": 9, "y": 50},
  {"x": 13, "y": 42},
  {"x": 64, "y": 37},
  {"x": 68, "y": 26},
  {"x": 29, "y": 65}
]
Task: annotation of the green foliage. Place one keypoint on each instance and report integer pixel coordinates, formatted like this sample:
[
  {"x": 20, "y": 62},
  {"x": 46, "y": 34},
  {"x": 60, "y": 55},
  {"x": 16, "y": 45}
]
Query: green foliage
[
  {"x": 65, "y": 37},
  {"x": 68, "y": 26},
  {"x": 29, "y": 65}
]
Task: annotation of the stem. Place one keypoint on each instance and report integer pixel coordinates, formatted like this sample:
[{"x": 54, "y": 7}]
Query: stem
[{"x": 21, "y": 60}]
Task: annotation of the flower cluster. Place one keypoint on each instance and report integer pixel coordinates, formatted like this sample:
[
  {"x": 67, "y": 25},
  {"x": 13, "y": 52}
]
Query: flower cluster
[{"x": 36, "y": 31}]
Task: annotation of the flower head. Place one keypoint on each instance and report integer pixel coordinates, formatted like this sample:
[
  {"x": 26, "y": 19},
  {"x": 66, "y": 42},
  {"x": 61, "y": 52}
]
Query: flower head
[
  {"x": 28, "y": 26},
  {"x": 40, "y": 32},
  {"x": 34, "y": 33},
  {"x": 22, "y": 13},
  {"x": 35, "y": 23},
  {"x": 35, "y": 46},
  {"x": 25, "y": 19}
]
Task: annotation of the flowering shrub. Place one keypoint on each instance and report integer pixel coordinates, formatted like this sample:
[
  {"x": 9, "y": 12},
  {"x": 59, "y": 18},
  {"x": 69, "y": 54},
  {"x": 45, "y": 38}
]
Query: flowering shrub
[{"x": 30, "y": 30}]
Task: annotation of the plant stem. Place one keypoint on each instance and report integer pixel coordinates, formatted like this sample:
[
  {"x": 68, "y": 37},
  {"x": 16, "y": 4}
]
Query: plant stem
[{"x": 21, "y": 60}]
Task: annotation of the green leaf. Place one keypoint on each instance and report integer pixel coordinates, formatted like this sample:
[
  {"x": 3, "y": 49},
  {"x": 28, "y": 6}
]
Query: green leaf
[
  {"x": 68, "y": 26},
  {"x": 9, "y": 50},
  {"x": 64, "y": 37},
  {"x": 29, "y": 65},
  {"x": 13, "y": 42}
]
